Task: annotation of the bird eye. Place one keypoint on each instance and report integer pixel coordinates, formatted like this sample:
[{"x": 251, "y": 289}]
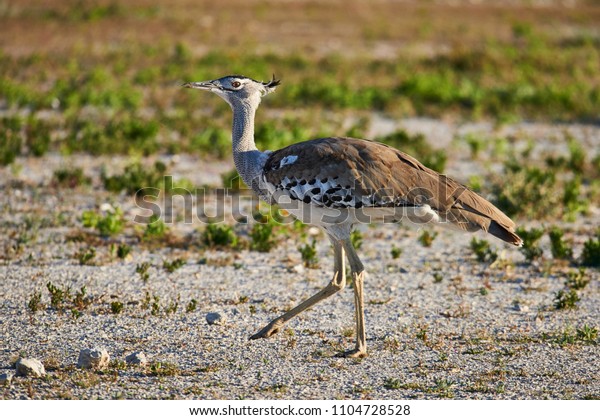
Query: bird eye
[{"x": 235, "y": 84}]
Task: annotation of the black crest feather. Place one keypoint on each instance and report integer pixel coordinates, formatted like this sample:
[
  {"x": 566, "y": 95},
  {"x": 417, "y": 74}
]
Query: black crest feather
[{"x": 274, "y": 82}]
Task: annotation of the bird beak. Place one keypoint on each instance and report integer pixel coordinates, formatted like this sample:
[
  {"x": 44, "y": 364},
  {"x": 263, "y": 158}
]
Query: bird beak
[{"x": 210, "y": 86}]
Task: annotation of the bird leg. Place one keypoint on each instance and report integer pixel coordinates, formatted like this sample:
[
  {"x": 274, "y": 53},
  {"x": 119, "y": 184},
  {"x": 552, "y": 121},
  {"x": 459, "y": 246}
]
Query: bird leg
[
  {"x": 358, "y": 274},
  {"x": 335, "y": 285}
]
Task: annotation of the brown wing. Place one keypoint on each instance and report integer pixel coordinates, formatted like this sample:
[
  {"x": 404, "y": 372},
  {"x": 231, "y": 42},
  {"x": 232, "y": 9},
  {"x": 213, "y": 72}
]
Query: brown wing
[{"x": 377, "y": 175}]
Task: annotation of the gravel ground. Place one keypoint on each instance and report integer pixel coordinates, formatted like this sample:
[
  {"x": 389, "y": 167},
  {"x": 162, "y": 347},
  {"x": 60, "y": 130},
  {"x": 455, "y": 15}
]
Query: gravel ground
[{"x": 439, "y": 324}]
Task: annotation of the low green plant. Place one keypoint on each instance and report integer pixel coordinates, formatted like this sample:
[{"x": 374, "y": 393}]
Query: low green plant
[
  {"x": 219, "y": 235},
  {"x": 116, "y": 307},
  {"x": 58, "y": 296},
  {"x": 136, "y": 178},
  {"x": 81, "y": 300},
  {"x": 108, "y": 224},
  {"x": 426, "y": 238},
  {"x": 590, "y": 255},
  {"x": 232, "y": 181},
  {"x": 587, "y": 334},
  {"x": 577, "y": 280},
  {"x": 483, "y": 251},
  {"x": 123, "y": 250},
  {"x": 10, "y": 139},
  {"x": 356, "y": 238},
  {"x": 309, "y": 254},
  {"x": 164, "y": 369},
  {"x": 191, "y": 306},
  {"x": 142, "y": 270},
  {"x": 395, "y": 251},
  {"x": 559, "y": 248},
  {"x": 85, "y": 256},
  {"x": 155, "y": 229},
  {"x": 262, "y": 236},
  {"x": 172, "y": 306},
  {"x": 35, "y": 302},
  {"x": 70, "y": 178},
  {"x": 530, "y": 248},
  {"x": 172, "y": 266},
  {"x": 566, "y": 299},
  {"x": 392, "y": 383}
]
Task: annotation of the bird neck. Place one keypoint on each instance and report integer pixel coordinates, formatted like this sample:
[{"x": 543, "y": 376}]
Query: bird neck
[{"x": 246, "y": 156}]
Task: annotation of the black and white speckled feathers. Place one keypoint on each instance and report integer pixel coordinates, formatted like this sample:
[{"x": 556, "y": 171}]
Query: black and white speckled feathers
[{"x": 352, "y": 173}]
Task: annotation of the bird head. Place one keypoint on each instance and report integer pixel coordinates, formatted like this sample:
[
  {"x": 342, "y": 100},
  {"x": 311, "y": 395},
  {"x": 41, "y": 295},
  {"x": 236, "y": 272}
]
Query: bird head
[{"x": 233, "y": 88}]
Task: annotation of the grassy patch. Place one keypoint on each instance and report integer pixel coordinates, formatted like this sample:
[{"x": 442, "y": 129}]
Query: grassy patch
[
  {"x": 219, "y": 235},
  {"x": 531, "y": 238},
  {"x": 108, "y": 223},
  {"x": 309, "y": 256}
]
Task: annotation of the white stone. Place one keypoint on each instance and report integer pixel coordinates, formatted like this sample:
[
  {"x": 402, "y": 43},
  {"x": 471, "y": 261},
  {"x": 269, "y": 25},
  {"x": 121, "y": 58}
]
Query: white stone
[
  {"x": 137, "y": 358},
  {"x": 30, "y": 367},
  {"x": 298, "y": 268},
  {"x": 93, "y": 359},
  {"x": 214, "y": 318},
  {"x": 6, "y": 378}
]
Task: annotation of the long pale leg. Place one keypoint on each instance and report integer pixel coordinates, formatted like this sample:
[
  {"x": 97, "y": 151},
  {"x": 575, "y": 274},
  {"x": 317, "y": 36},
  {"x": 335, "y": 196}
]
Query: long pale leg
[
  {"x": 335, "y": 285},
  {"x": 358, "y": 273}
]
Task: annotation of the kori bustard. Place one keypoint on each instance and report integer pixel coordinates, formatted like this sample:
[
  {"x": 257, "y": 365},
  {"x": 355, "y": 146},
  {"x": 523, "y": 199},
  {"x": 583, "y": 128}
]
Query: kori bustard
[{"x": 336, "y": 183}]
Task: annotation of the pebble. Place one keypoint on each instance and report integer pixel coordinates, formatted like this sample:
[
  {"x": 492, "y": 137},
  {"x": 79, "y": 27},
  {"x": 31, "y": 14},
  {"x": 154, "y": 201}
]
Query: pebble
[
  {"x": 30, "y": 367},
  {"x": 298, "y": 268},
  {"x": 6, "y": 378},
  {"x": 93, "y": 358},
  {"x": 137, "y": 358},
  {"x": 521, "y": 308},
  {"x": 213, "y": 318}
]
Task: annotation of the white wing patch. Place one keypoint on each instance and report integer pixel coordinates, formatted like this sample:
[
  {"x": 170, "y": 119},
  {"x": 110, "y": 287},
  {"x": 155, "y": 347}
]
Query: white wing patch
[{"x": 288, "y": 160}]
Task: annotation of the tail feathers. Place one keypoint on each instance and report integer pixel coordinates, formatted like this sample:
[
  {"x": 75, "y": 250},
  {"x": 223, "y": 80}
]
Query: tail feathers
[
  {"x": 506, "y": 234},
  {"x": 472, "y": 222}
]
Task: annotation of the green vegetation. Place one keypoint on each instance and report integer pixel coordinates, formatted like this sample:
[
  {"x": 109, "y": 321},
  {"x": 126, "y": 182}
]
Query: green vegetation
[
  {"x": 483, "y": 251},
  {"x": 560, "y": 249},
  {"x": 219, "y": 235},
  {"x": 309, "y": 254},
  {"x": 155, "y": 229},
  {"x": 356, "y": 238},
  {"x": 426, "y": 238},
  {"x": 112, "y": 101},
  {"x": 232, "y": 180},
  {"x": 109, "y": 223},
  {"x": 63, "y": 299},
  {"x": 70, "y": 178},
  {"x": 123, "y": 250},
  {"x": 261, "y": 235},
  {"x": 85, "y": 256},
  {"x": 116, "y": 307},
  {"x": 568, "y": 297},
  {"x": 530, "y": 248},
  {"x": 136, "y": 179},
  {"x": 35, "y": 303},
  {"x": 591, "y": 251},
  {"x": 142, "y": 270},
  {"x": 172, "y": 266},
  {"x": 191, "y": 306},
  {"x": 395, "y": 251}
]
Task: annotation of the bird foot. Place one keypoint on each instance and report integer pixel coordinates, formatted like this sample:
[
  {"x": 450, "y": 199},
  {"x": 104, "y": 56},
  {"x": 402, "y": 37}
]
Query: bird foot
[
  {"x": 353, "y": 354},
  {"x": 272, "y": 328}
]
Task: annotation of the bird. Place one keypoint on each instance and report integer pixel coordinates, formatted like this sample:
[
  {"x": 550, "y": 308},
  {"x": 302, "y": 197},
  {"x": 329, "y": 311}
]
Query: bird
[{"x": 338, "y": 183}]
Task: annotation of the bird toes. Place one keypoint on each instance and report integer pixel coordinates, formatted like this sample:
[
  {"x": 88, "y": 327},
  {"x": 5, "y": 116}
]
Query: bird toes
[
  {"x": 266, "y": 332},
  {"x": 353, "y": 354}
]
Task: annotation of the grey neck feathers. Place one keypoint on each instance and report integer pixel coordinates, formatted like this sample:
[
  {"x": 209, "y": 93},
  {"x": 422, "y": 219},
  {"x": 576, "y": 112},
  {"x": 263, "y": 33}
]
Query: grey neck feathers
[{"x": 247, "y": 158}]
